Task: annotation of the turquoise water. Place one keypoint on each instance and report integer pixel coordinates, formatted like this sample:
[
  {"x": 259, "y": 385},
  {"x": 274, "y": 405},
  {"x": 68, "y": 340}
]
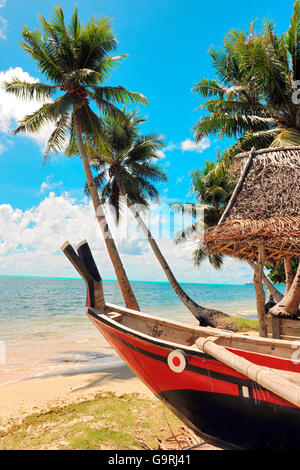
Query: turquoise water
[{"x": 44, "y": 327}]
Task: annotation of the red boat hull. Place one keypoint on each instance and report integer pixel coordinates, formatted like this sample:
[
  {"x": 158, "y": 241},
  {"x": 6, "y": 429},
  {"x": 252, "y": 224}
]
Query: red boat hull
[{"x": 221, "y": 405}]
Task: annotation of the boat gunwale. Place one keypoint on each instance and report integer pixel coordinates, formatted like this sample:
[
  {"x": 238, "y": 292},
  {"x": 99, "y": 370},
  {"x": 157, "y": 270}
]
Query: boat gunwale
[{"x": 196, "y": 331}]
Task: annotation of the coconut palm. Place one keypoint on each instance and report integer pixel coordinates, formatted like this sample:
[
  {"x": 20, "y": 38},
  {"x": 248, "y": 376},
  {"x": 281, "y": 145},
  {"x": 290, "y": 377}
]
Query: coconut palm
[
  {"x": 75, "y": 59},
  {"x": 126, "y": 172},
  {"x": 253, "y": 98},
  {"x": 190, "y": 232},
  {"x": 212, "y": 186}
]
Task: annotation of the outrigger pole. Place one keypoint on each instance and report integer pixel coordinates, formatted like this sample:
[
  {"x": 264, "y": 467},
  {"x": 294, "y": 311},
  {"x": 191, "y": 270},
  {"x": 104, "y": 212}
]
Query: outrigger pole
[{"x": 267, "y": 378}]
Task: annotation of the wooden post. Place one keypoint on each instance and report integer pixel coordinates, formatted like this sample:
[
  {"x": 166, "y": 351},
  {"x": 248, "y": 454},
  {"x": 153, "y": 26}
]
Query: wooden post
[
  {"x": 260, "y": 293},
  {"x": 275, "y": 327}
]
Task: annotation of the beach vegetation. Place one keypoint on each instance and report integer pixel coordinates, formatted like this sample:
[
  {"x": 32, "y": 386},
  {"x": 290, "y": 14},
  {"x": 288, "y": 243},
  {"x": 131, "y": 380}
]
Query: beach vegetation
[
  {"x": 277, "y": 272},
  {"x": 106, "y": 422}
]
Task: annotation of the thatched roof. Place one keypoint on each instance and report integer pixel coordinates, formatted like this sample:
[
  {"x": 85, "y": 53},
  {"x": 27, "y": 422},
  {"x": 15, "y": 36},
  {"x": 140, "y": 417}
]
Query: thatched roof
[{"x": 265, "y": 207}]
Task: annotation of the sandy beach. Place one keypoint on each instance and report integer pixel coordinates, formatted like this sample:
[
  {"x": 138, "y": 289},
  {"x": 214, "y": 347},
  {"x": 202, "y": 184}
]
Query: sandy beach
[{"x": 18, "y": 400}]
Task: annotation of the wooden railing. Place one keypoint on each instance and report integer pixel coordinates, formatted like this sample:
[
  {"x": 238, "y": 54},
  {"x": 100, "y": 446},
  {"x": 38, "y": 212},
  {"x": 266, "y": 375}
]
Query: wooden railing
[{"x": 283, "y": 328}]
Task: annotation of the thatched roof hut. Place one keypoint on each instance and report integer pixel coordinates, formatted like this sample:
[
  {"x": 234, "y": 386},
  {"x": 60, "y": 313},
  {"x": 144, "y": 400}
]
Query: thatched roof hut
[{"x": 264, "y": 208}]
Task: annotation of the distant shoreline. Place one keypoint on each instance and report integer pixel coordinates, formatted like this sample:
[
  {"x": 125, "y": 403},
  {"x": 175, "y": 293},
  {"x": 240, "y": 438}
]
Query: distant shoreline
[{"x": 131, "y": 280}]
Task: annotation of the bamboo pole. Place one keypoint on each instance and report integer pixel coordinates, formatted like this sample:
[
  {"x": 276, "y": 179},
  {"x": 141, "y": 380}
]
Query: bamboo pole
[
  {"x": 267, "y": 150},
  {"x": 238, "y": 186},
  {"x": 260, "y": 293},
  {"x": 265, "y": 377}
]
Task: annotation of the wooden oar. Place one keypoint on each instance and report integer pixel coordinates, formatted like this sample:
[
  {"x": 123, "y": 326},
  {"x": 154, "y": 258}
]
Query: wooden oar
[{"x": 265, "y": 377}]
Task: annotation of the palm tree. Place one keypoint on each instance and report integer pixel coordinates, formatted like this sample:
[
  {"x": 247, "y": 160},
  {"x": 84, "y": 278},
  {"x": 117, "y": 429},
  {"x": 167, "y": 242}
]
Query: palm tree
[
  {"x": 253, "y": 96},
  {"x": 126, "y": 172},
  {"x": 213, "y": 186},
  {"x": 75, "y": 60}
]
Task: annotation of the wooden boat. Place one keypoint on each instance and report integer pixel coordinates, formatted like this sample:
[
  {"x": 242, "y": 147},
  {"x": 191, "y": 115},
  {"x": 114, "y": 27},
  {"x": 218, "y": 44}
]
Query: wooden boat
[{"x": 235, "y": 391}]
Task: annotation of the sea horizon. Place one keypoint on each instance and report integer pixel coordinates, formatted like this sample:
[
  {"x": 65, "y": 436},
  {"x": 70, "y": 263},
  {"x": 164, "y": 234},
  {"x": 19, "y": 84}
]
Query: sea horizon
[{"x": 133, "y": 280}]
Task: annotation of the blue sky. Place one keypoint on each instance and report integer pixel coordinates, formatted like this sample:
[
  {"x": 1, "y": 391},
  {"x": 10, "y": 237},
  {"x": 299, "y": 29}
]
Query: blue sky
[{"x": 167, "y": 42}]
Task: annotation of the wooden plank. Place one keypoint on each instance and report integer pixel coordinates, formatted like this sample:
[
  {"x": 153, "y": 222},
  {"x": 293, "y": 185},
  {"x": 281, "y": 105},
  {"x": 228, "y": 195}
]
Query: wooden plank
[
  {"x": 144, "y": 323},
  {"x": 291, "y": 323},
  {"x": 283, "y": 328},
  {"x": 290, "y": 338},
  {"x": 290, "y": 331},
  {"x": 115, "y": 315}
]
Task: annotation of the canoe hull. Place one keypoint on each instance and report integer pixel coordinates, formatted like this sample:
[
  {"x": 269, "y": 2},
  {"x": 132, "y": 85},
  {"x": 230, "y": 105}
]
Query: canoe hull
[{"x": 222, "y": 406}]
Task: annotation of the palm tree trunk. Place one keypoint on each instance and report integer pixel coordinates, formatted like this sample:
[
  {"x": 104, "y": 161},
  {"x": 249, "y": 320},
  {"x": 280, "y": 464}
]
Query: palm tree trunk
[
  {"x": 272, "y": 291},
  {"x": 124, "y": 283},
  {"x": 205, "y": 316},
  {"x": 289, "y": 305},
  {"x": 289, "y": 276}
]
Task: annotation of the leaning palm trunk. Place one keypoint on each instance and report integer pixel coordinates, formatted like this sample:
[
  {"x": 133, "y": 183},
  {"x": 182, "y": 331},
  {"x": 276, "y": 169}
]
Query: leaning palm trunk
[
  {"x": 272, "y": 291},
  {"x": 124, "y": 283},
  {"x": 205, "y": 316},
  {"x": 289, "y": 305}
]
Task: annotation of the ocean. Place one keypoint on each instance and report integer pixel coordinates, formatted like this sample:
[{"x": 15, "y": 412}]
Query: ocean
[{"x": 44, "y": 329}]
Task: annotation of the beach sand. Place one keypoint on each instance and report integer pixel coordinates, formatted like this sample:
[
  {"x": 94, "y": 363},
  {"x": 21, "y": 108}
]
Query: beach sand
[{"x": 20, "y": 399}]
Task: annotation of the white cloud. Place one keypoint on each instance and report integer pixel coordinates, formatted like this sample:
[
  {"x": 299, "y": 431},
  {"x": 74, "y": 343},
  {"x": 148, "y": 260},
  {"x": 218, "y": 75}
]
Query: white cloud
[
  {"x": 160, "y": 154},
  {"x": 12, "y": 109},
  {"x": 171, "y": 146},
  {"x": 189, "y": 145},
  {"x": 133, "y": 246},
  {"x": 30, "y": 243},
  {"x": 49, "y": 185}
]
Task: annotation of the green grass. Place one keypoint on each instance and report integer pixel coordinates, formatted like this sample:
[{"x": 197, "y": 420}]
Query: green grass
[
  {"x": 244, "y": 324},
  {"x": 106, "y": 422}
]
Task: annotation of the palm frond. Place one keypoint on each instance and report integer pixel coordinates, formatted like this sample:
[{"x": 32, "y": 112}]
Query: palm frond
[
  {"x": 287, "y": 138},
  {"x": 30, "y": 91},
  {"x": 58, "y": 139},
  {"x": 118, "y": 94},
  {"x": 293, "y": 40},
  {"x": 48, "y": 113}
]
